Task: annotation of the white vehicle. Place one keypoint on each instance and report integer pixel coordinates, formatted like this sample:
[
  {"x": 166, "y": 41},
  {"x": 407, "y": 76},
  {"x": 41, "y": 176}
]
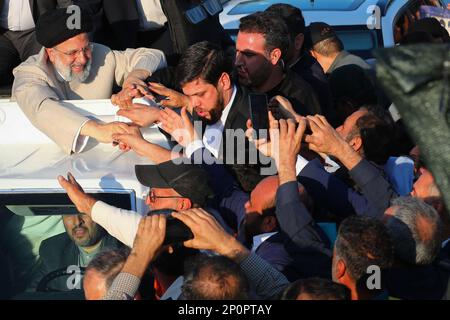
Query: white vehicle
[
  {"x": 30, "y": 163},
  {"x": 362, "y": 25}
]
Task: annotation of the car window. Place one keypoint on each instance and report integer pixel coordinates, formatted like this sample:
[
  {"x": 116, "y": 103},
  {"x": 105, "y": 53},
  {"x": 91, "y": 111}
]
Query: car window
[{"x": 247, "y": 7}]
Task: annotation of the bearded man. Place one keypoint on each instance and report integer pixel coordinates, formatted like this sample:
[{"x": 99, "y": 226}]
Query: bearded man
[{"x": 70, "y": 67}]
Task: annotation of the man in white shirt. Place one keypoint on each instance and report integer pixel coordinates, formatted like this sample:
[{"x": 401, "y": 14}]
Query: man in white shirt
[{"x": 17, "y": 37}]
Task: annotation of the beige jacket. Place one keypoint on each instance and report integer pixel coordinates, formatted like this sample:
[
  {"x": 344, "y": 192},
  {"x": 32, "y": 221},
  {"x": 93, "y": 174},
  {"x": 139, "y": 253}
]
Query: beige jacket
[{"x": 39, "y": 90}]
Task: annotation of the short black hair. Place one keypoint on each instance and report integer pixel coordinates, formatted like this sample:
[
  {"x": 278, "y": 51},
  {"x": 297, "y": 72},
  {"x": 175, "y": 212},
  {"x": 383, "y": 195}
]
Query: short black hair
[
  {"x": 377, "y": 131},
  {"x": 316, "y": 289},
  {"x": 172, "y": 264},
  {"x": 204, "y": 60},
  {"x": 362, "y": 242},
  {"x": 109, "y": 263},
  {"x": 271, "y": 26},
  {"x": 292, "y": 16},
  {"x": 214, "y": 278}
]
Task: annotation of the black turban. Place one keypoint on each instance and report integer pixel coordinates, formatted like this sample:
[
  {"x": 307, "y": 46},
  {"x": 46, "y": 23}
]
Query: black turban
[{"x": 58, "y": 25}]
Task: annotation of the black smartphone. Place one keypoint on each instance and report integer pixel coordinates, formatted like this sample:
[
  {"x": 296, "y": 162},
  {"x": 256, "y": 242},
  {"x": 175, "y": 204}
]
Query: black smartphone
[
  {"x": 176, "y": 230},
  {"x": 258, "y": 105}
]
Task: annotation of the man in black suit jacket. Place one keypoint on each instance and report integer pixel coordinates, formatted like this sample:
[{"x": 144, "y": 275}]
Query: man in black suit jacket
[
  {"x": 71, "y": 251},
  {"x": 18, "y": 44}
]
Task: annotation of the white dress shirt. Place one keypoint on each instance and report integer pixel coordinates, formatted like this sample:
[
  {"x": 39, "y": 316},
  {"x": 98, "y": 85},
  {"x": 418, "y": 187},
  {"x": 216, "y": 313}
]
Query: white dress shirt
[
  {"x": 260, "y": 238},
  {"x": 16, "y": 15},
  {"x": 151, "y": 15}
]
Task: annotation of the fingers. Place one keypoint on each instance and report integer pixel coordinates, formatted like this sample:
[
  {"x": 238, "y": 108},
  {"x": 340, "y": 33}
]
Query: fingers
[{"x": 159, "y": 89}]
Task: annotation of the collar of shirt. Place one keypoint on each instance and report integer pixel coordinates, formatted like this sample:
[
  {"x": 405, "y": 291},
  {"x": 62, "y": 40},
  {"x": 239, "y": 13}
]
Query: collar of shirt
[
  {"x": 260, "y": 238},
  {"x": 212, "y": 137},
  {"x": 174, "y": 291}
]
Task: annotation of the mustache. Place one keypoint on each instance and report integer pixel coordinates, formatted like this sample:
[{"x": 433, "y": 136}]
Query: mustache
[{"x": 75, "y": 229}]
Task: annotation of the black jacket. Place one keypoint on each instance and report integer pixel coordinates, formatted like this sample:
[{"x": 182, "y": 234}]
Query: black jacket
[
  {"x": 247, "y": 174},
  {"x": 123, "y": 19},
  {"x": 60, "y": 252}
]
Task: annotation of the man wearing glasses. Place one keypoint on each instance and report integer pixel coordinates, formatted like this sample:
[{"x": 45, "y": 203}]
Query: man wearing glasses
[{"x": 69, "y": 67}]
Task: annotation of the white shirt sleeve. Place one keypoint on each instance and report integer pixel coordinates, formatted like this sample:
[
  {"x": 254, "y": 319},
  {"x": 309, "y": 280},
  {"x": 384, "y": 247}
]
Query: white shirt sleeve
[
  {"x": 192, "y": 147},
  {"x": 79, "y": 142},
  {"x": 121, "y": 224},
  {"x": 300, "y": 164}
]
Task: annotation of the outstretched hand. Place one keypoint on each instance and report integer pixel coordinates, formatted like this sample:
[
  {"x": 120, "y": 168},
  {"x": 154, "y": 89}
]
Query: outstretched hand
[{"x": 82, "y": 201}]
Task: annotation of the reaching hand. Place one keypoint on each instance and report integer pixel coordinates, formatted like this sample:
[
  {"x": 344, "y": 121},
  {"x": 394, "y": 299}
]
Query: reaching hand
[
  {"x": 174, "y": 98},
  {"x": 208, "y": 234},
  {"x": 179, "y": 127},
  {"x": 263, "y": 145},
  {"x": 324, "y": 138},
  {"x": 80, "y": 199},
  {"x": 132, "y": 139},
  {"x": 281, "y": 108},
  {"x": 149, "y": 237},
  {"x": 290, "y": 142},
  {"x": 134, "y": 89},
  {"x": 141, "y": 114}
]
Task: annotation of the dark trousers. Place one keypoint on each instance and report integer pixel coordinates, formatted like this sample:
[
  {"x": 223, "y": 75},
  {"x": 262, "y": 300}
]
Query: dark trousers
[{"x": 15, "y": 47}]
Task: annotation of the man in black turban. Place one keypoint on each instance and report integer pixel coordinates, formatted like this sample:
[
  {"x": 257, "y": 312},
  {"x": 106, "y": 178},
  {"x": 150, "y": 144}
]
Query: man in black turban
[{"x": 70, "y": 67}]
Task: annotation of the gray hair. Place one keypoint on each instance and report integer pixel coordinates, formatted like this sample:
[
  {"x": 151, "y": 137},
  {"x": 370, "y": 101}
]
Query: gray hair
[{"x": 412, "y": 242}]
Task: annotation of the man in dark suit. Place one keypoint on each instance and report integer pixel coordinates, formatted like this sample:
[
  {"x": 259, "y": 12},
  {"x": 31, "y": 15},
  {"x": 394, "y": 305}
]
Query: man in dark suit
[
  {"x": 72, "y": 250},
  {"x": 218, "y": 106},
  {"x": 17, "y": 37}
]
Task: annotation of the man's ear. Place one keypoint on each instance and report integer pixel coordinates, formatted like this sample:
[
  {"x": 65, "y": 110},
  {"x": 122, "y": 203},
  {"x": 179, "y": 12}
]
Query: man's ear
[
  {"x": 298, "y": 41},
  {"x": 269, "y": 224},
  {"x": 184, "y": 204},
  {"x": 341, "y": 269},
  {"x": 51, "y": 54},
  {"x": 275, "y": 56},
  {"x": 225, "y": 81},
  {"x": 356, "y": 143}
]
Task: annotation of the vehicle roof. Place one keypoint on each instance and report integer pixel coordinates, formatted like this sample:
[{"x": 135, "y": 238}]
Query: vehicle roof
[{"x": 30, "y": 160}]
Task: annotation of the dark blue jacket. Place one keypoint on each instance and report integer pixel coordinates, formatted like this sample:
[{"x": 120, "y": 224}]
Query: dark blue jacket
[{"x": 342, "y": 200}]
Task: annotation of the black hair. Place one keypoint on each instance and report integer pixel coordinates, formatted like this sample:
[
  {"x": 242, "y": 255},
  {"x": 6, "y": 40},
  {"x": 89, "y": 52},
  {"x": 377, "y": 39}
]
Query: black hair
[
  {"x": 362, "y": 242},
  {"x": 271, "y": 26},
  {"x": 291, "y": 15},
  {"x": 214, "y": 278},
  {"x": 316, "y": 289},
  {"x": 377, "y": 131},
  {"x": 172, "y": 264},
  {"x": 204, "y": 60}
]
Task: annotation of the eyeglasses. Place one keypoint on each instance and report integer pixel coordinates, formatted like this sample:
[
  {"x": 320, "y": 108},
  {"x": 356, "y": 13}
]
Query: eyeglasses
[
  {"x": 74, "y": 53},
  {"x": 152, "y": 196}
]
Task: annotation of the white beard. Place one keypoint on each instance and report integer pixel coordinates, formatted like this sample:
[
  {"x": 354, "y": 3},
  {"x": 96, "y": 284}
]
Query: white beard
[{"x": 68, "y": 75}]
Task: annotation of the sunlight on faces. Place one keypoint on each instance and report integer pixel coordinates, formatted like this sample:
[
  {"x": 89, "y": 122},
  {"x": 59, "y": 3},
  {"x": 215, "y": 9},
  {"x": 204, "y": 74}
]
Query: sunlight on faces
[
  {"x": 206, "y": 99},
  {"x": 252, "y": 59},
  {"x": 349, "y": 125},
  {"x": 261, "y": 198},
  {"x": 164, "y": 203},
  {"x": 94, "y": 285},
  {"x": 82, "y": 230},
  {"x": 425, "y": 186},
  {"x": 75, "y": 67}
]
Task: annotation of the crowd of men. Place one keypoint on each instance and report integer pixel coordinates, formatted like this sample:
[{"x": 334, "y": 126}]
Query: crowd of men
[{"x": 253, "y": 208}]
